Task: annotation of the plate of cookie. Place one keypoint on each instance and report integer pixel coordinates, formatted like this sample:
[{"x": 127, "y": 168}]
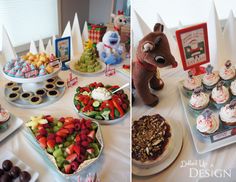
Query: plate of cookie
[{"x": 156, "y": 144}]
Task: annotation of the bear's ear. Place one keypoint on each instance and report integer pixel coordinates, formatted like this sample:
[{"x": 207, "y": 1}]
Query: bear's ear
[
  {"x": 158, "y": 27},
  {"x": 148, "y": 46},
  {"x": 157, "y": 41}
]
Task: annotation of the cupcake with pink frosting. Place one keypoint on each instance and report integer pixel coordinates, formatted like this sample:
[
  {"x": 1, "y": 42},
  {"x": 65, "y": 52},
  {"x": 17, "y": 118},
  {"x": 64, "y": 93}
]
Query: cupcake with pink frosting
[
  {"x": 227, "y": 73},
  {"x": 211, "y": 78},
  {"x": 207, "y": 122},
  {"x": 220, "y": 95},
  {"x": 228, "y": 114},
  {"x": 191, "y": 83},
  {"x": 199, "y": 99}
]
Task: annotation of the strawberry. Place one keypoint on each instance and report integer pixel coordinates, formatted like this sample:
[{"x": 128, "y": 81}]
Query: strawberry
[
  {"x": 43, "y": 132},
  {"x": 67, "y": 169},
  {"x": 39, "y": 136},
  {"x": 80, "y": 158},
  {"x": 51, "y": 143},
  {"x": 83, "y": 137},
  {"x": 78, "y": 107},
  {"x": 74, "y": 166},
  {"x": 77, "y": 149},
  {"x": 71, "y": 130},
  {"x": 63, "y": 132},
  {"x": 40, "y": 126},
  {"x": 68, "y": 126},
  {"x": 59, "y": 139},
  {"x": 51, "y": 136},
  {"x": 91, "y": 134},
  {"x": 77, "y": 138},
  {"x": 62, "y": 119},
  {"x": 90, "y": 150},
  {"x": 84, "y": 143},
  {"x": 83, "y": 126},
  {"x": 70, "y": 149},
  {"x": 100, "y": 84},
  {"x": 77, "y": 126},
  {"x": 43, "y": 142},
  {"x": 88, "y": 123},
  {"x": 77, "y": 120},
  {"x": 46, "y": 125},
  {"x": 49, "y": 118},
  {"x": 71, "y": 158}
]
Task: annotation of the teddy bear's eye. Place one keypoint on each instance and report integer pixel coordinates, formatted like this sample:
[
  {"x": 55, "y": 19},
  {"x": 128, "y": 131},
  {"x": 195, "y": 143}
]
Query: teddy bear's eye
[
  {"x": 160, "y": 60},
  {"x": 120, "y": 20}
]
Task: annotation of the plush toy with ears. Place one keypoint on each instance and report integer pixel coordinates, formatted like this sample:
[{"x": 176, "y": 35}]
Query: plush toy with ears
[
  {"x": 153, "y": 52},
  {"x": 119, "y": 20}
]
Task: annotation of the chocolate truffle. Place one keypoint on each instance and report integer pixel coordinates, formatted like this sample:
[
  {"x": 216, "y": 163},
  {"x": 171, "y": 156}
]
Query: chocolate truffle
[
  {"x": 25, "y": 176},
  {"x": 7, "y": 165},
  {"x": 15, "y": 172}
]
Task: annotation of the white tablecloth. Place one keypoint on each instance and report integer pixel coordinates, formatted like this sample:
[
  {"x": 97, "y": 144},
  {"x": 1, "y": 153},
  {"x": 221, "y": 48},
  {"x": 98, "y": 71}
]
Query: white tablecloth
[
  {"x": 170, "y": 107},
  {"x": 114, "y": 163}
]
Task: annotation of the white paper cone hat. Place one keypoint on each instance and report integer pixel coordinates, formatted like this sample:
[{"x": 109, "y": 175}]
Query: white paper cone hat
[
  {"x": 33, "y": 48},
  {"x": 76, "y": 39},
  {"x": 8, "y": 50},
  {"x": 41, "y": 46},
  {"x": 53, "y": 44},
  {"x": 49, "y": 49},
  {"x": 67, "y": 33},
  {"x": 230, "y": 38},
  {"x": 145, "y": 29},
  {"x": 215, "y": 36},
  {"x": 85, "y": 34}
]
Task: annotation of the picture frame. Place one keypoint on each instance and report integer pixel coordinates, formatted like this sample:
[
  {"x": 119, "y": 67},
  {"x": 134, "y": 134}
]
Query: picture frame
[
  {"x": 193, "y": 46},
  {"x": 63, "y": 50}
]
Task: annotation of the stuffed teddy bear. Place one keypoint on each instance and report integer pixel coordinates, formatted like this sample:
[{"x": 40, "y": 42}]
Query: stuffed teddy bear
[
  {"x": 109, "y": 49},
  {"x": 153, "y": 52},
  {"x": 119, "y": 20}
]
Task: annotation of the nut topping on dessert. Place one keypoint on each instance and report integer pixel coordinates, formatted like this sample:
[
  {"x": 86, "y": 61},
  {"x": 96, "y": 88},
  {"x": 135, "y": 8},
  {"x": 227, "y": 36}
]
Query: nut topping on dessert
[{"x": 150, "y": 135}]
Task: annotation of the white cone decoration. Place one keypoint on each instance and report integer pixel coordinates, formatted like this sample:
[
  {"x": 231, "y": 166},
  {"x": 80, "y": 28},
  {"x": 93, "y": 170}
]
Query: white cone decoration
[
  {"x": 76, "y": 39},
  {"x": 230, "y": 38},
  {"x": 215, "y": 39},
  {"x": 41, "y": 46},
  {"x": 8, "y": 50},
  {"x": 85, "y": 34},
  {"x": 49, "y": 49},
  {"x": 173, "y": 44},
  {"x": 145, "y": 29},
  {"x": 53, "y": 44},
  {"x": 67, "y": 33},
  {"x": 33, "y": 48}
]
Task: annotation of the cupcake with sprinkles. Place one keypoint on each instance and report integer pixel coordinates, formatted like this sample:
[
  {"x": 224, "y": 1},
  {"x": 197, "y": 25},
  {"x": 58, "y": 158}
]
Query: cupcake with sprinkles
[
  {"x": 228, "y": 114},
  {"x": 211, "y": 78},
  {"x": 207, "y": 122},
  {"x": 220, "y": 95},
  {"x": 227, "y": 73},
  {"x": 191, "y": 83}
]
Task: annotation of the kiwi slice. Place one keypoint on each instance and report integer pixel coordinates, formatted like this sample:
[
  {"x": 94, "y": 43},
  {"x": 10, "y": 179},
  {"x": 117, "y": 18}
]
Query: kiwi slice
[
  {"x": 50, "y": 86},
  {"x": 13, "y": 96},
  {"x": 52, "y": 93},
  {"x": 35, "y": 100},
  {"x": 10, "y": 84}
]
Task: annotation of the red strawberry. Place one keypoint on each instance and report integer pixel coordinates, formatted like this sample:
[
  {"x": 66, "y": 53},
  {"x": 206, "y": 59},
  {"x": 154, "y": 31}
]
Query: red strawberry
[
  {"x": 43, "y": 142},
  {"x": 51, "y": 144},
  {"x": 100, "y": 84},
  {"x": 46, "y": 125},
  {"x": 67, "y": 169},
  {"x": 84, "y": 143},
  {"x": 91, "y": 134},
  {"x": 68, "y": 126},
  {"x": 51, "y": 136},
  {"x": 39, "y": 136},
  {"x": 63, "y": 132},
  {"x": 89, "y": 139},
  {"x": 70, "y": 149},
  {"x": 71, "y": 130},
  {"x": 77, "y": 120},
  {"x": 40, "y": 126},
  {"x": 88, "y": 123},
  {"x": 59, "y": 139},
  {"x": 77, "y": 149},
  {"x": 90, "y": 150},
  {"x": 78, "y": 107},
  {"x": 71, "y": 158},
  {"x": 77, "y": 138},
  {"x": 49, "y": 118},
  {"x": 62, "y": 119},
  {"x": 74, "y": 166},
  {"x": 69, "y": 120},
  {"x": 83, "y": 136},
  {"x": 83, "y": 126},
  {"x": 43, "y": 132},
  {"x": 77, "y": 126}
]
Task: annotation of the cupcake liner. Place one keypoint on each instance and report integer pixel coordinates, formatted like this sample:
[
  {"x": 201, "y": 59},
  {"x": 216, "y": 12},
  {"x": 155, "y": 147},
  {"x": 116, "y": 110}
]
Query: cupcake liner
[
  {"x": 228, "y": 124},
  {"x": 208, "y": 87},
  {"x": 227, "y": 82}
]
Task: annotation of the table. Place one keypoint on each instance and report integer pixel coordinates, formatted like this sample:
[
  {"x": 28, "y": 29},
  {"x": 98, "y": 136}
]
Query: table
[
  {"x": 170, "y": 107},
  {"x": 114, "y": 163}
]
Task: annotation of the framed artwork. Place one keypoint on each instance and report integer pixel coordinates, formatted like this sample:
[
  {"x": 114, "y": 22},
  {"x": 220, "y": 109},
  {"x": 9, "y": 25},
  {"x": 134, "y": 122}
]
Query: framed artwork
[
  {"x": 62, "y": 46},
  {"x": 193, "y": 46}
]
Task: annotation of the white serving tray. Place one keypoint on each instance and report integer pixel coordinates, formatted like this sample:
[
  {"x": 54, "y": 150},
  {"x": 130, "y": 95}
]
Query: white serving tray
[
  {"x": 201, "y": 143},
  {"x": 13, "y": 124},
  {"x": 72, "y": 68},
  {"x": 17, "y": 162}
]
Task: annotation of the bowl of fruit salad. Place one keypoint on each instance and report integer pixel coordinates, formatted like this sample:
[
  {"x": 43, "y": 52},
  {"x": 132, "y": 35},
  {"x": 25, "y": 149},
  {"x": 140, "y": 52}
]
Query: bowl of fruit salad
[
  {"x": 96, "y": 101},
  {"x": 68, "y": 144}
]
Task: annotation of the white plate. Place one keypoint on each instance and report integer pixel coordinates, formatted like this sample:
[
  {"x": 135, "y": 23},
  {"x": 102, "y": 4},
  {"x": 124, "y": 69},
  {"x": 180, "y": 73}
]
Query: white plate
[
  {"x": 17, "y": 162},
  {"x": 177, "y": 143},
  {"x": 125, "y": 72},
  {"x": 32, "y": 80},
  {"x": 202, "y": 144},
  {"x": 13, "y": 124},
  {"x": 72, "y": 67},
  {"x": 46, "y": 100}
]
